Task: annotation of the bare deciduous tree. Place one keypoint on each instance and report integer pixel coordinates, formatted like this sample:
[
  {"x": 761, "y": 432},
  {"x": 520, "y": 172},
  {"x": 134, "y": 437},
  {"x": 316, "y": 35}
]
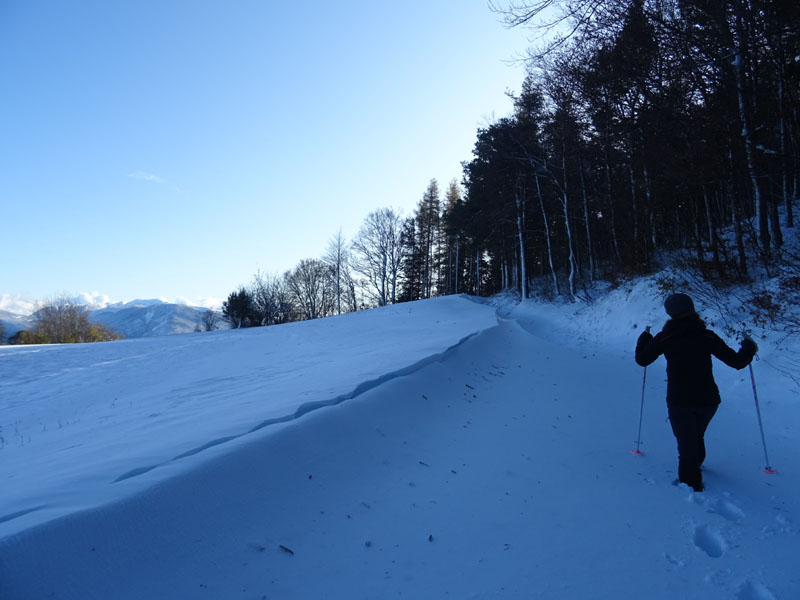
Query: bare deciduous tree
[
  {"x": 312, "y": 288},
  {"x": 338, "y": 257},
  {"x": 209, "y": 320},
  {"x": 64, "y": 321},
  {"x": 379, "y": 254},
  {"x": 272, "y": 299}
]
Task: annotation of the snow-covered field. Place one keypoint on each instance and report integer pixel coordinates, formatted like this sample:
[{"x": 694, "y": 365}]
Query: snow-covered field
[{"x": 437, "y": 449}]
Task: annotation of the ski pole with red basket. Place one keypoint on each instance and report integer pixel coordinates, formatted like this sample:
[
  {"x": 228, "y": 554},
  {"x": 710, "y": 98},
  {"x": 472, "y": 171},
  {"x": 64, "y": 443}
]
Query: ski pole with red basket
[
  {"x": 768, "y": 469},
  {"x": 641, "y": 412}
]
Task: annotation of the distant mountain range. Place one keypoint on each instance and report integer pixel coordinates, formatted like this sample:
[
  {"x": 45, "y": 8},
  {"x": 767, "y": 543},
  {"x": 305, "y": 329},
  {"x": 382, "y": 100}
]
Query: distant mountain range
[
  {"x": 12, "y": 322},
  {"x": 135, "y": 319}
]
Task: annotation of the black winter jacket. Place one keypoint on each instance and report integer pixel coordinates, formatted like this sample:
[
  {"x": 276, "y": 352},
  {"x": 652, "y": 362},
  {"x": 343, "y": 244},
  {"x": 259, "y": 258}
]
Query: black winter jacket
[{"x": 688, "y": 347}]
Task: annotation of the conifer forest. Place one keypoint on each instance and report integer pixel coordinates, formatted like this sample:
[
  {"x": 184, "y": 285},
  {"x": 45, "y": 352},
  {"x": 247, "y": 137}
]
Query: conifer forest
[{"x": 644, "y": 126}]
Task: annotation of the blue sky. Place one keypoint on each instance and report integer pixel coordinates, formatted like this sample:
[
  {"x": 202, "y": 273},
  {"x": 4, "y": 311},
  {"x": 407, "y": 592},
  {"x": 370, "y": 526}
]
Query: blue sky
[{"x": 172, "y": 149}]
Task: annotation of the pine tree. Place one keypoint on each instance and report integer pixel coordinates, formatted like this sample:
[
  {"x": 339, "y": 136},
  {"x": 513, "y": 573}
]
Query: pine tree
[
  {"x": 238, "y": 309},
  {"x": 428, "y": 217},
  {"x": 411, "y": 268},
  {"x": 451, "y": 243}
]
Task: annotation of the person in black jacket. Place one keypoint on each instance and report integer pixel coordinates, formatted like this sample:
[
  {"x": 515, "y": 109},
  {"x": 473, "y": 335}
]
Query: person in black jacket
[{"x": 692, "y": 393}]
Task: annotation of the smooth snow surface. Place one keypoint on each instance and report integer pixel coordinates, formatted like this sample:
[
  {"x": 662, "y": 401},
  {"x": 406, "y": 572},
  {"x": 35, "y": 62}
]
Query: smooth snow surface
[{"x": 424, "y": 450}]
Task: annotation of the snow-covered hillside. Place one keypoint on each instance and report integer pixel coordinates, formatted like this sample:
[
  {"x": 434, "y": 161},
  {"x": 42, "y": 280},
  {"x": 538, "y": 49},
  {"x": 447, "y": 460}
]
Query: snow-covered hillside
[{"x": 425, "y": 450}]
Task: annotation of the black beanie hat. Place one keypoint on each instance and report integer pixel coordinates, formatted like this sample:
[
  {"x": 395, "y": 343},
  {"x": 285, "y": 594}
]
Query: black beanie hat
[{"x": 678, "y": 305}]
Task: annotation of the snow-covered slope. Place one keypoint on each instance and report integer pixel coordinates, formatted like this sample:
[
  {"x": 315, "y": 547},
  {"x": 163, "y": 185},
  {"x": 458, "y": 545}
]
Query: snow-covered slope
[
  {"x": 423, "y": 450},
  {"x": 98, "y": 421}
]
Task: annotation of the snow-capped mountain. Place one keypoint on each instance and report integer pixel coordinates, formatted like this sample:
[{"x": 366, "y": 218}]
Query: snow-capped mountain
[
  {"x": 139, "y": 303},
  {"x": 135, "y": 319},
  {"x": 148, "y": 318},
  {"x": 13, "y": 322}
]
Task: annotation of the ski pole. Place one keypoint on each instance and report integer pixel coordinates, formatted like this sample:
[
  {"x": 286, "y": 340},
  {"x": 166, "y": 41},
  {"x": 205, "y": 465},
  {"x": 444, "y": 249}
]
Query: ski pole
[
  {"x": 641, "y": 409},
  {"x": 641, "y": 413},
  {"x": 767, "y": 469}
]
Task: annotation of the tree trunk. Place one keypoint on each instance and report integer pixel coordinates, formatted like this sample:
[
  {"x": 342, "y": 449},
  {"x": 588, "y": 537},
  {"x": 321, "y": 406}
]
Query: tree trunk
[
  {"x": 570, "y": 245},
  {"x": 523, "y": 274},
  {"x": 458, "y": 267},
  {"x": 614, "y": 239},
  {"x": 648, "y": 209},
  {"x": 590, "y": 252},
  {"x": 338, "y": 288},
  {"x": 547, "y": 238},
  {"x": 775, "y": 224},
  {"x": 634, "y": 206},
  {"x": 698, "y": 238},
  {"x": 712, "y": 234},
  {"x": 758, "y": 198},
  {"x": 737, "y": 218},
  {"x": 787, "y": 196},
  {"x": 477, "y": 272}
]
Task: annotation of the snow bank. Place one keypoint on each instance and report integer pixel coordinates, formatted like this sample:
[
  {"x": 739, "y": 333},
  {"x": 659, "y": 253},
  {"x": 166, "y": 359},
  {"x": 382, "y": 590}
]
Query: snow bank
[{"x": 82, "y": 425}]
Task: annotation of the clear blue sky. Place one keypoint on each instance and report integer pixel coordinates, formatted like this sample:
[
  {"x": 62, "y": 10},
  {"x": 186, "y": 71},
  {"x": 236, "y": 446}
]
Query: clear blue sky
[{"x": 172, "y": 149}]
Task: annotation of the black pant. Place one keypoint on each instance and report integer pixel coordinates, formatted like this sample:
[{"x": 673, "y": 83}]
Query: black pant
[{"x": 689, "y": 425}]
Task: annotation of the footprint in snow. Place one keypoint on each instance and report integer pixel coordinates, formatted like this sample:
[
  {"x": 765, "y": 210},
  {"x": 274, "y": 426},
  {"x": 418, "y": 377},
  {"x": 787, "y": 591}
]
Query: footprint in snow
[
  {"x": 752, "y": 590},
  {"x": 709, "y": 541},
  {"x": 728, "y": 510},
  {"x": 678, "y": 562},
  {"x": 721, "y": 506}
]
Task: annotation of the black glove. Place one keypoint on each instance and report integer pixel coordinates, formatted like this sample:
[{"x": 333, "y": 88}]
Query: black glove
[{"x": 749, "y": 346}]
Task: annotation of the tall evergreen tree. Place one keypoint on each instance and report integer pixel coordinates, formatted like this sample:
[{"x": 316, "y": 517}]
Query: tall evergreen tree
[
  {"x": 452, "y": 243},
  {"x": 428, "y": 217},
  {"x": 411, "y": 268}
]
